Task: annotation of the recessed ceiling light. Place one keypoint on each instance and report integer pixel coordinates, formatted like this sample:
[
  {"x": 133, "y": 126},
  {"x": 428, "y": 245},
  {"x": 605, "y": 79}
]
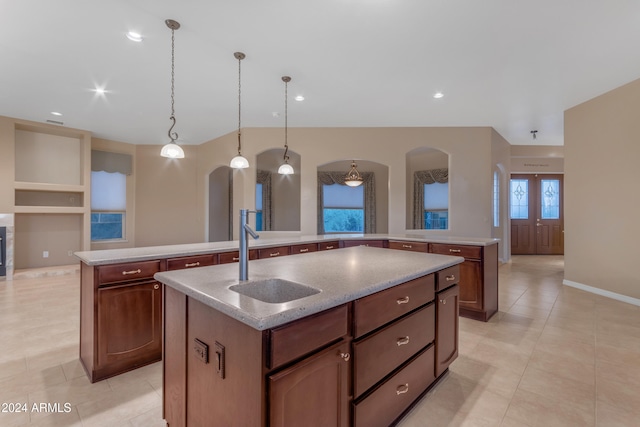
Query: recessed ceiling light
[
  {"x": 133, "y": 36},
  {"x": 100, "y": 91},
  {"x": 55, "y": 113},
  {"x": 299, "y": 98},
  {"x": 438, "y": 95}
]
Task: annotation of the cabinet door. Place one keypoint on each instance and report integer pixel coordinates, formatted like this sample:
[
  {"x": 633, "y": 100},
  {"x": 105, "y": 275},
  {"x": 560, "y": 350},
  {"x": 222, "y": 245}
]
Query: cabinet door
[
  {"x": 471, "y": 284},
  {"x": 313, "y": 392},
  {"x": 129, "y": 323},
  {"x": 446, "y": 328}
]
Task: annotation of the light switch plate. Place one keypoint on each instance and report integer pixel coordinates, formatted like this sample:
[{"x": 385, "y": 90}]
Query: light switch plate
[
  {"x": 201, "y": 350},
  {"x": 220, "y": 359}
]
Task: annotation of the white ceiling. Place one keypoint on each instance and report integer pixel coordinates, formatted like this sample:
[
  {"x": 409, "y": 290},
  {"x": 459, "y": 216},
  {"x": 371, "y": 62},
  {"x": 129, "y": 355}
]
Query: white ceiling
[{"x": 511, "y": 64}]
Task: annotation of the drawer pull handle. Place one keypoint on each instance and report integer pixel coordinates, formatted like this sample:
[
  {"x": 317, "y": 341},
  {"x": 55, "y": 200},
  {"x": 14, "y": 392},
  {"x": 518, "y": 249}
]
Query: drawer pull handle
[
  {"x": 404, "y": 300},
  {"x": 402, "y": 389},
  {"x": 450, "y": 278},
  {"x": 304, "y": 250},
  {"x": 403, "y": 341},
  {"x": 275, "y": 254},
  {"x": 193, "y": 264},
  {"x": 156, "y": 286},
  {"x": 455, "y": 251},
  {"x": 124, "y": 273},
  {"x": 345, "y": 356},
  {"x": 236, "y": 258},
  {"x": 330, "y": 247},
  {"x": 443, "y": 301},
  {"x": 407, "y": 246}
]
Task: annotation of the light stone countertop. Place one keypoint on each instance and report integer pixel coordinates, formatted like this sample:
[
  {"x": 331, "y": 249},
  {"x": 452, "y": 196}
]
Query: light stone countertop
[
  {"x": 341, "y": 276},
  {"x": 114, "y": 256}
]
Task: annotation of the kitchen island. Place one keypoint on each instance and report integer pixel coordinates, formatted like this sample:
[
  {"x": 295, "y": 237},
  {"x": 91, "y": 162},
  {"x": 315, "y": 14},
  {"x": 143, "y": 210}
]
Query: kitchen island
[
  {"x": 348, "y": 337},
  {"x": 121, "y": 302}
]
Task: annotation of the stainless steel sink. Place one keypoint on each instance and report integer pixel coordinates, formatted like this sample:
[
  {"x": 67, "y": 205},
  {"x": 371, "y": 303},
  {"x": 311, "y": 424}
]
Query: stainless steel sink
[{"x": 274, "y": 291}]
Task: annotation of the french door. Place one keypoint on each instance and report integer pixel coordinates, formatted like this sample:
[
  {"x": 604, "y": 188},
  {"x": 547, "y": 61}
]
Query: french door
[{"x": 536, "y": 211}]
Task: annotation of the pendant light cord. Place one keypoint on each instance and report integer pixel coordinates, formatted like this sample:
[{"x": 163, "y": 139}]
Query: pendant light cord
[
  {"x": 239, "y": 101},
  {"x": 286, "y": 115},
  {"x": 172, "y": 135}
]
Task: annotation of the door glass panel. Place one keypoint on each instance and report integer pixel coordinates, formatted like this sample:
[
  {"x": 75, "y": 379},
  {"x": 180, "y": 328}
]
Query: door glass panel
[
  {"x": 550, "y": 198},
  {"x": 519, "y": 199}
]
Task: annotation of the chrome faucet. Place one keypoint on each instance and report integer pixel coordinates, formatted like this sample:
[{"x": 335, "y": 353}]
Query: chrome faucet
[{"x": 244, "y": 246}]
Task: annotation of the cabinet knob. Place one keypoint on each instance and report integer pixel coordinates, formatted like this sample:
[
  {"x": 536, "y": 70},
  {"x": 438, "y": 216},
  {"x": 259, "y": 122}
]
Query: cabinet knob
[
  {"x": 274, "y": 254},
  {"x": 450, "y": 278},
  {"x": 404, "y": 300},
  {"x": 345, "y": 356},
  {"x": 403, "y": 341},
  {"x": 443, "y": 301},
  {"x": 304, "y": 250},
  {"x": 402, "y": 389},
  {"x": 235, "y": 258},
  {"x": 156, "y": 286},
  {"x": 329, "y": 247}
]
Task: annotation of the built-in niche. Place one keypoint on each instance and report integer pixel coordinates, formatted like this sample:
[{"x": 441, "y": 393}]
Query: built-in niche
[
  {"x": 277, "y": 196},
  {"x": 427, "y": 189},
  {"x": 220, "y": 204},
  {"x": 344, "y": 209}
]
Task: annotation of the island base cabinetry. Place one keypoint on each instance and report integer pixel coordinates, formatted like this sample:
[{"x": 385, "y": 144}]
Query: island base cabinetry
[{"x": 319, "y": 370}]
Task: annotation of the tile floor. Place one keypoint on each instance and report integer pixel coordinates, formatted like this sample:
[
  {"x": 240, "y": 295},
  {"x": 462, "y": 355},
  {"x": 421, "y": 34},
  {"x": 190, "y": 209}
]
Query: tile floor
[{"x": 552, "y": 356}]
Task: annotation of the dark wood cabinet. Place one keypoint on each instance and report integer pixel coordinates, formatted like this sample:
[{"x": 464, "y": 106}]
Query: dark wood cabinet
[
  {"x": 192, "y": 261},
  {"x": 447, "y": 327},
  {"x": 409, "y": 246},
  {"x": 478, "y": 278},
  {"x": 313, "y": 392},
  {"x": 130, "y": 324},
  {"x": 273, "y": 252},
  {"x": 120, "y": 318}
]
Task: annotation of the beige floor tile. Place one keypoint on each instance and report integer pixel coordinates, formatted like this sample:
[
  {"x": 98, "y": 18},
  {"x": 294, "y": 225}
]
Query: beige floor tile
[
  {"x": 23, "y": 383},
  {"x": 501, "y": 356},
  {"x": 617, "y": 394},
  {"x": 75, "y": 392},
  {"x": 497, "y": 380},
  {"x": 610, "y": 416},
  {"x": 618, "y": 354},
  {"x": 554, "y": 386},
  {"x": 151, "y": 418},
  {"x": 535, "y": 410},
  {"x": 562, "y": 365}
]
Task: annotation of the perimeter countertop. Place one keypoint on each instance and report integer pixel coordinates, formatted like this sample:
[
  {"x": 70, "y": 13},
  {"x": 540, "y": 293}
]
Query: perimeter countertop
[
  {"x": 341, "y": 276},
  {"x": 114, "y": 256}
]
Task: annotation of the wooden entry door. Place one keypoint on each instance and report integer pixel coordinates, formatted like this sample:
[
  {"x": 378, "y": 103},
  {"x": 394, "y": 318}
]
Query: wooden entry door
[{"x": 536, "y": 211}]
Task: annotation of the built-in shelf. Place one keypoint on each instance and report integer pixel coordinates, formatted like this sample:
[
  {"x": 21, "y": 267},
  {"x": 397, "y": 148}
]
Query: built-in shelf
[
  {"x": 49, "y": 210},
  {"x": 42, "y": 186}
]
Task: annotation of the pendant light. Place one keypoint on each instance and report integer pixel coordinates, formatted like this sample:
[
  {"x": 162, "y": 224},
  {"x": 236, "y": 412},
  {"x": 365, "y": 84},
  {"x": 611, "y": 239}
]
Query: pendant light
[
  {"x": 239, "y": 162},
  {"x": 285, "y": 168},
  {"x": 353, "y": 178},
  {"x": 172, "y": 150}
]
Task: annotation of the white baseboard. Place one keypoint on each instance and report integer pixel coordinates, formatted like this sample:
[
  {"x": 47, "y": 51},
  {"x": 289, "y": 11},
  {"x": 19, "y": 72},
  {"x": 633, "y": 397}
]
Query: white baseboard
[{"x": 602, "y": 292}]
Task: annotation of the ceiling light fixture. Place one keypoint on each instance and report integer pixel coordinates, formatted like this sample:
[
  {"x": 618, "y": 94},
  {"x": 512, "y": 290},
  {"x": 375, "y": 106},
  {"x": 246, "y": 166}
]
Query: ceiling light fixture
[
  {"x": 136, "y": 37},
  {"x": 438, "y": 95},
  {"x": 299, "y": 98},
  {"x": 285, "y": 168},
  {"x": 239, "y": 162},
  {"x": 534, "y": 133},
  {"x": 353, "y": 177},
  {"x": 172, "y": 150},
  {"x": 55, "y": 113}
]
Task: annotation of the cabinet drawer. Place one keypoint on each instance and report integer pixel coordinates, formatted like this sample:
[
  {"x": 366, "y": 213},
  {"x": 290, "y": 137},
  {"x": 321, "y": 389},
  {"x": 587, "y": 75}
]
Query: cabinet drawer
[
  {"x": 372, "y": 243},
  {"x": 127, "y": 271},
  {"x": 394, "y": 396},
  {"x": 191, "y": 261},
  {"x": 229, "y": 257},
  {"x": 457, "y": 250},
  {"x": 300, "y": 337},
  {"x": 447, "y": 277},
  {"x": 377, "y": 309},
  {"x": 409, "y": 246},
  {"x": 379, "y": 354},
  {"x": 325, "y": 246},
  {"x": 273, "y": 252},
  {"x": 301, "y": 249}
]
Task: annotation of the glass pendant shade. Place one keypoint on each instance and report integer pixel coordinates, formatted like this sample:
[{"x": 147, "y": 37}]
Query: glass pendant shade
[
  {"x": 353, "y": 178},
  {"x": 172, "y": 151},
  {"x": 285, "y": 169},
  {"x": 239, "y": 162}
]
